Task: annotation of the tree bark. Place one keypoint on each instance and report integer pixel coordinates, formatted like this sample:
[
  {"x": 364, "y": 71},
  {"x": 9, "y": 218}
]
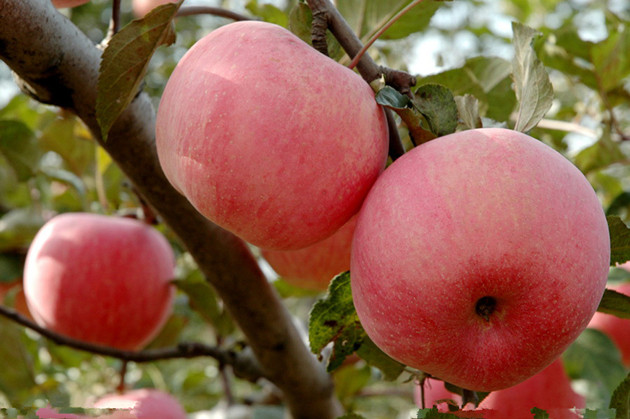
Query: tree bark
[{"x": 58, "y": 65}]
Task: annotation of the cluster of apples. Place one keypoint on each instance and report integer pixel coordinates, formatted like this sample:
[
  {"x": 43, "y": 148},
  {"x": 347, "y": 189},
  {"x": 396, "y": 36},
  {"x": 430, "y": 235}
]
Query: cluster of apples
[{"x": 477, "y": 257}]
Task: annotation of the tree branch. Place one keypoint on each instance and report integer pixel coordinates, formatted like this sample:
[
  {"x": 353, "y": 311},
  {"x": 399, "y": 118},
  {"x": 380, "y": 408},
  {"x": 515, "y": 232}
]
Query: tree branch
[
  {"x": 326, "y": 15},
  {"x": 244, "y": 366},
  {"x": 215, "y": 11},
  {"x": 59, "y": 64}
]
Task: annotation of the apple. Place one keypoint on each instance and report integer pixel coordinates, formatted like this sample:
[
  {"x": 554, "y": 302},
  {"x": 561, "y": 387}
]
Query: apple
[
  {"x": 314, "y": 266},
  {"x": 144, "y": 404},
  {"x": 479, "y": 257},
  {"x": 617, "y": 329},
  {"x": 268, "y": 138},
  {"x": 550, "y": 390},
  {"x": 61, "y": 4},
  {"x": 19, "y": 300},
  {"x": 142, "y": 7},
  {"x": 435, "y": 394},
  {"x": 100, "y": 279}
]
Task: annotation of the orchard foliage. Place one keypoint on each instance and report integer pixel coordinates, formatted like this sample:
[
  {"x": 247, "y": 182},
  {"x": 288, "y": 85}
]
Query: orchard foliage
[{"x": 559, "y": 70}]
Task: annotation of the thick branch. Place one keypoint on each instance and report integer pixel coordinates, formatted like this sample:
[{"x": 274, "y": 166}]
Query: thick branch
[
  {"x": 244, "y": 366},
  {"x": 60, "y": 64}
]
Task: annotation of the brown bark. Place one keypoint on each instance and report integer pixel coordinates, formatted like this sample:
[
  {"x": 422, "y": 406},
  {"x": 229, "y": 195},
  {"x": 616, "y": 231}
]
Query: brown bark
[{"x": 59, "y": 65}]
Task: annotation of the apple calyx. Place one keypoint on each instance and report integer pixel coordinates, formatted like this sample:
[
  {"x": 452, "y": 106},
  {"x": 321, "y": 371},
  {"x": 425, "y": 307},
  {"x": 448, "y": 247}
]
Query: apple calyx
[{"x": 485, "y": 307}]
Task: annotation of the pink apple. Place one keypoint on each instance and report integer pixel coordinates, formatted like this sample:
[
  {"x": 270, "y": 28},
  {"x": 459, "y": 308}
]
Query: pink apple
[
  {"x": 314, "y": 266},
  {"x": 51, "y": 413},
  {"x": 61, "y": 4},
  {"x": 550, "y": 390},
  {"x": 268, "y": 138},
  {"x": 435, "y": 394},
  {"x": 100, "y": 279},
  {"x": 617, "y": 329},
  {"x": 144, "y": 404},
  {"x": 478, "y": 258},
  {"x": 142, "y": 7}
]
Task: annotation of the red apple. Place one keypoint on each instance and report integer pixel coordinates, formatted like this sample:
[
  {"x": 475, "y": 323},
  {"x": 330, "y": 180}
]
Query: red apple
[
  {"x": 478, "y": 257},
  {"x": 550, "y": 390},
  {"x": 61, "y": 4},
  {"x": 268, "y": 138},
  {"x": 617, "y": 329},
  {"x": 314, "y": 266},
  {"x": 142, "y": 7},
  {"x": 100, "y": 279},
  {"x": 144, "y": 404},
  {"x": 435, "y": 394}
]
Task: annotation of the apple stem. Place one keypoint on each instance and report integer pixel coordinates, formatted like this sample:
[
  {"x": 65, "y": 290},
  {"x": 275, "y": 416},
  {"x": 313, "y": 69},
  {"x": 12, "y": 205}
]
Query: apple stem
[
  {"x": 123, "y": 372},
  {"x": 485, "y": 307}
]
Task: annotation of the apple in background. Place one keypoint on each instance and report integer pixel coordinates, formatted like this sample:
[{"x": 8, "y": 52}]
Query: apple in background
[
  {"x": 434, "y": 393},
  {"x": 479, "y": 257},
  {"x": 61, "y": 4},
  {"x": 314, "y": 266},
  {"x": 549, "y": 390},
  {"x": 267, "y": 137},
  {"x": 100, "y": 279},
  {"x": 617, "y": 329},
  {"x": 142, "y": 7},
  {"x": 144, "y": 404},
  {"x": 19, "y": 300}
]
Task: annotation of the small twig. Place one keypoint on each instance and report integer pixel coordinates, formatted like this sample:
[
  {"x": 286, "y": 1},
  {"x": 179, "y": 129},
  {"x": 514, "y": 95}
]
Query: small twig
[
  {"x": 114, "y": 23},
  {"x": 380, "y": 32},
  {"x": 123, "y": 373},
  {"x": 244, "y": 364},
  {"x": 215, "y": 11}
]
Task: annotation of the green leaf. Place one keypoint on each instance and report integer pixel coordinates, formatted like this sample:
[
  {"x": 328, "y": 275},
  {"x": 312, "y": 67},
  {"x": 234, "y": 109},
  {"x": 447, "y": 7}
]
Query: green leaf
[
  {"x": 392, "y": 98},
  {"x": 599, "y": 414},
  {"x": 11, "y": 267},
  {"x": 334, "y": 319},
  {"x": 350, "y": 381},
  {"x": 468, "y": 111},
  {"x": 60, "y": 136},
  {"x": 615, "y": 303},
  {"x": 531, "y": 81},
  {"x": 600, "y": 155},
  {"x": 539, "y": 413},
  {"x": 415, "y": 20},
  {"x": 18, "y": 227},
  {"x": 351, "y": 416},
  {"x": 437, "y": 105},
  {"x": 125, "y": 61},
  {"x": 268, "y": 12},
  {"x": 17, "y": 377},
  {"x": 374, "y": 356},
  {"x": 621, "y": 201},
  {"x": 433, "y": 413},
  {"x": 620, "y": 400},
  {"x": 619, "y": 240},
  {"x": 19, "y": 147},
  {"x": 204, "y": 301},
  {"x": 332, "y": 314},
  {"x": 611, "y": 60},
  {"x": 594, "y": 358}
]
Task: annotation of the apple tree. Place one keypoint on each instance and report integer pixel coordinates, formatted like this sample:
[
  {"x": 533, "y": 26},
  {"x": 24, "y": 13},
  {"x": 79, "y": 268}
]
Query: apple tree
[{"x": 106, "y": 109}]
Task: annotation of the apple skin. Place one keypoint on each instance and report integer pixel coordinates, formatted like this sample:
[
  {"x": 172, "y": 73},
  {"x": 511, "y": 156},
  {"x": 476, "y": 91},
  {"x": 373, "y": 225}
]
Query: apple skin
[
  {"x": 482, "y": 213},
  {"x": 617, "y": 329},
  {"x": 550, "y": 390},
  {"x": 141, "y": 8},
  {"x": 314, "y": 266},
  {"x": 144, "y": 404},
  {"x": 268, "y": 138},
  {"x": 100, "y": 279},
  {"x": 62, "y": 4}
]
